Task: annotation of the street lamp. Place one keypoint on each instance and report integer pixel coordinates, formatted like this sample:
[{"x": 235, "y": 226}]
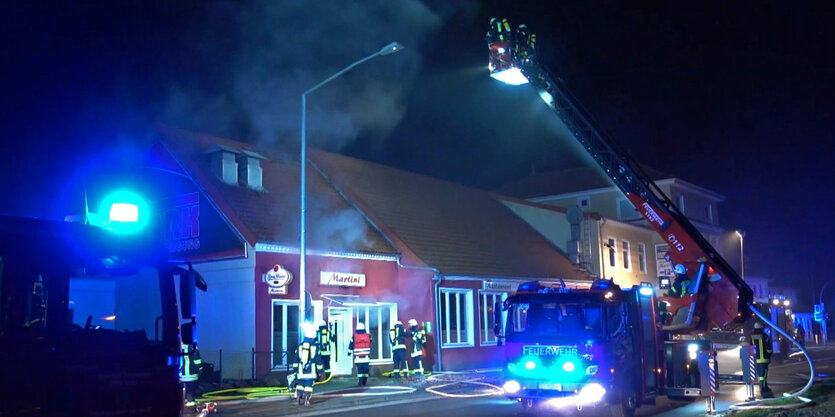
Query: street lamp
[
  {"x": 386, "y": 50},
  {"x": 741, "y": 253}
]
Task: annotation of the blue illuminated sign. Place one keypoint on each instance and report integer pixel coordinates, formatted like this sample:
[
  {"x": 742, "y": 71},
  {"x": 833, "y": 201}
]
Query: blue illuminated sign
[{"x": 541, "y": 350}]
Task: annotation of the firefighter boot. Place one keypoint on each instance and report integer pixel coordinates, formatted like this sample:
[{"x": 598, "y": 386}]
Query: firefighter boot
[
  {"x": 300, "y": 397},
  {"x": 307, "y": 396}
]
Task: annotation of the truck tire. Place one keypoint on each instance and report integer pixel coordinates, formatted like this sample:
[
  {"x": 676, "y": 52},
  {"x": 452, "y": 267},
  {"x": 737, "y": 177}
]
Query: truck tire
[{"x": 626, "y": 407}]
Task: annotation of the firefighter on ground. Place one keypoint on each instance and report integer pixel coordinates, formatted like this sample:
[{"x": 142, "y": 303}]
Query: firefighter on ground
[
  {"x": 418, "y": 341},
  {"x": 360, "y": 347},
  {"x": 191, "y": 364},
  {"x": 324, "y": 338},
  {"x": 681, "y": 283},
  {"x": 763, "y": 350},
  {"x": 306, "y": 366},
  {"x": 397, "y": 337},
  {"x": 800, "y": 334}
]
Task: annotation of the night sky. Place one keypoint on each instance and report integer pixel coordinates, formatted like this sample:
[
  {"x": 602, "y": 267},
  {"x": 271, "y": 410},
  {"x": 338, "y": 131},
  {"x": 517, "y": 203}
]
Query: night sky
[{"x": 737, "y": 98}]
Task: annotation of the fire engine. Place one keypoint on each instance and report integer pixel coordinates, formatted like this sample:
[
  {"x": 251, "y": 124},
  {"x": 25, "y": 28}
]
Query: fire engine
[
  {"x": 89, "y": 320},
  {"x": 606, "y": 345}
]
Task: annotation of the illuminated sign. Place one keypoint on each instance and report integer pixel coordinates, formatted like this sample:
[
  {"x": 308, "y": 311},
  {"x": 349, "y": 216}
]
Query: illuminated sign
[
  {"x": 544, "y": 350},
  {"x": 181, "y": 223},
  {"x": 341, "y": 279},
  {"x": 277, "y": 279},
  {"x": 499, "y": 286}
]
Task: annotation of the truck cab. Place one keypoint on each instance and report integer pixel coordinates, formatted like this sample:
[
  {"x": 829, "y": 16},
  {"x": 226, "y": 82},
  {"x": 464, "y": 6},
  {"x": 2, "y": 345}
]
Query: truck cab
[
  {"x": 581, "y": 347},
  {"x": 89, "y": 322}
]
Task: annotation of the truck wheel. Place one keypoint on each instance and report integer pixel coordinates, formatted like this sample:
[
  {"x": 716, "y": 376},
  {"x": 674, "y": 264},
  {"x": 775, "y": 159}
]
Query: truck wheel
[{"x": 627, "y": 406}]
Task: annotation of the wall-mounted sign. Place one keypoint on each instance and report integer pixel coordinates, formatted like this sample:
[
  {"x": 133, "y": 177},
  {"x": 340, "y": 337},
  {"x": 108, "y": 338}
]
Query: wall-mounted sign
[
  {"x": 341, "y": 279},
  {"x": 503, "y": 286},
  {"x": 277, "y": 279},
  {"x": 664, "y": 267},
  {"x": 190, "y": 226}
]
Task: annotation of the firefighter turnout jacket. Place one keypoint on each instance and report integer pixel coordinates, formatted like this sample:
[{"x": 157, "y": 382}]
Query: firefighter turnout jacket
[
  {"x": 397, "y": 336},
  {"x": 360, "y": 347},
  {"x": 307, "y": 357},
  {"x": 324, "y": 338},
  {"x": 418, "y": 340},
  {"x": 191, "y": 363},
  {"x": 762, "y": 345}
]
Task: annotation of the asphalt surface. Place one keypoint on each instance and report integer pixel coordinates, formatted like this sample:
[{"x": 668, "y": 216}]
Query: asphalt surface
[{"x": 342, "y": 398}]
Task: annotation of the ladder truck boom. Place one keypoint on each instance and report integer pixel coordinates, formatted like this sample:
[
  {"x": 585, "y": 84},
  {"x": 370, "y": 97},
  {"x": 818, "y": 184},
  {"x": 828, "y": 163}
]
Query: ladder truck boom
[{"x": 717, "y": 299}]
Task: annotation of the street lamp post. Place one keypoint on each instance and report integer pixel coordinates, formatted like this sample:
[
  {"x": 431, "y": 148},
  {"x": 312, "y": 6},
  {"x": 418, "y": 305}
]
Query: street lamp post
[
  {"x": 741, "y": 254},
  {"x": 386, "y": 50}
]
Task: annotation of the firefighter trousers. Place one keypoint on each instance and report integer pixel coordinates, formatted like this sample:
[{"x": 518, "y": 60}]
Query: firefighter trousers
[
  {"x": 400, "y": 363},
  {"x": 762, "y": 373},
  {"x": 325, "y": 366},
  {"x": 417, "y": 365},
  {"x": 362, "y": 373}
]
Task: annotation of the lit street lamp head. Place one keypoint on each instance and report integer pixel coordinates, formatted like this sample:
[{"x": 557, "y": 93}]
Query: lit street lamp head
[{"x": 391, "y": 48}]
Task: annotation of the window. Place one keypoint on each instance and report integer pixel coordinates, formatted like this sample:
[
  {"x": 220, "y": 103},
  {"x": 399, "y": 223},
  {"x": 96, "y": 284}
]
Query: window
[
  {"x": 612, "y": 244},
  {"x": 642, "y": 258},
  {"x": 456, "y": 317},
  {"x": 626, "y": 264},
  {"x": 285, "y": 332},
  {"x": 378, "y": 319},
  {"x": 584, "y": 202},
  {"x": 488, "y": 303}
]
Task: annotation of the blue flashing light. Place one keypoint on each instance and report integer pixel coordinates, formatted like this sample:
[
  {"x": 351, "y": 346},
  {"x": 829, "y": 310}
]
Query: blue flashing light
[
  {"x": 529, "y": 286},
  {"x": 123, "y": 212},
  {"x": 646, "y": 291}
]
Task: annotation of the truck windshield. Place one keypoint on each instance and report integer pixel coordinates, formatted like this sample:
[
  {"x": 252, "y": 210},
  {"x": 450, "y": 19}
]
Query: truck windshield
[{"x": 535, "y": 321}]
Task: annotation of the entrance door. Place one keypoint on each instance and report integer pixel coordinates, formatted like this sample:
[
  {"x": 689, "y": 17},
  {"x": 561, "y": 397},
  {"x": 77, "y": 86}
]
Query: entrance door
[{"x": 340, "y": 320}]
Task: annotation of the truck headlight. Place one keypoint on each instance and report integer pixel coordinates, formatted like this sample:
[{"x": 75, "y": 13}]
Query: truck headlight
[
  {"x": 592, "y": 393},
  {"x": 511, "y": 387}
]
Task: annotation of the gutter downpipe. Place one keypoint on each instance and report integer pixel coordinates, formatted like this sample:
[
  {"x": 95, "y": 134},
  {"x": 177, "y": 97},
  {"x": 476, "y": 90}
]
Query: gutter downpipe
[
  {"x": 437, "y": 278},
  {"x": 601, "y": 258}
]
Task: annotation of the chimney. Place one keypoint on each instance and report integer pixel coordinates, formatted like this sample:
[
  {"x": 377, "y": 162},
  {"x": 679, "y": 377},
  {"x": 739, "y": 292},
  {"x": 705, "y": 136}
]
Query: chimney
[
  {"x": 249, "y": 170},
  {"x": 223, "y": 164}
]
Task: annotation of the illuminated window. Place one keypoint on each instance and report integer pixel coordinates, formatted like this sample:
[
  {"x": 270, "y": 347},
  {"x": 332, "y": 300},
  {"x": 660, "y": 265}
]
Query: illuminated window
[
  {"x": 488, "y": 303},
  {"x": 456, "y": 317},
  {"x": 378, "y": 319},
  {"x": 642, "y": 257},
  {"x": 612, "y": 244},
  {"x": 626, "y": 249}
]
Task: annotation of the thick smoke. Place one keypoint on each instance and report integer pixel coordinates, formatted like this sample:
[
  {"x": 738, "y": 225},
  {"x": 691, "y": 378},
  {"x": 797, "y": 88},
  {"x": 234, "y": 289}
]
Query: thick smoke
[{"x": 256, "y": 58}]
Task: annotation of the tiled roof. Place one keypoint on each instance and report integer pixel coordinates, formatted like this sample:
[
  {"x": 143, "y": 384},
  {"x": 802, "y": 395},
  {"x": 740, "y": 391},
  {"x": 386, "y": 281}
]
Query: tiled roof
[
  {"x": 566, "y": 181},
  {"x": 458, "y": 230},
  {"x": 272, "y": 216}
]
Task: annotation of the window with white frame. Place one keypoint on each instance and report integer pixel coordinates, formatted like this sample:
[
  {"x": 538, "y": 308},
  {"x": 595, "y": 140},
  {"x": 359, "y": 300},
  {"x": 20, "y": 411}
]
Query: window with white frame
[
  {"x": 378, "y": 319},
  {"x": 456, "y": 317},
  {"x": 626, "y": 249},
  {"x": 612, "y": 244},
  {"x": 642, "y": 258},
  {"x": 488, "y": 303},
  {"x": 285, "y": 338}
]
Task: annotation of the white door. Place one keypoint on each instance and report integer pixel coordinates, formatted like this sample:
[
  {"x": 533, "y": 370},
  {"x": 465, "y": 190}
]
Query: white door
[{"x": 341, "y": 322}]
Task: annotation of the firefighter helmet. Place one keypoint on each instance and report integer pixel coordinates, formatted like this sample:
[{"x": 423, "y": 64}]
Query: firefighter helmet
[
  {"x": 308, "y": 330},
  {"x": 322, "y": 323},
  {"x": 758, "y": 325},
  {"x": 680, "y": 269},
  {"x": 413, "y": 322},
  {"x": 360, "y": 326},
  {"x": 398, "y": 323}
]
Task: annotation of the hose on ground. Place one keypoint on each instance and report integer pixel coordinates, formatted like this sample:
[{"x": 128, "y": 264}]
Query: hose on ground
[{"x": 758, "y": 403}]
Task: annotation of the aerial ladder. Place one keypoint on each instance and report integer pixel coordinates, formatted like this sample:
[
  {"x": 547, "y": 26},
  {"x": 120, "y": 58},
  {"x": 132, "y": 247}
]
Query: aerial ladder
[{"x": 718, "y": 297}]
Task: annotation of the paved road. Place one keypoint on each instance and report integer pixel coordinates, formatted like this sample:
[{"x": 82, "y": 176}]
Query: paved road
[{"x": 785, "y": 377}]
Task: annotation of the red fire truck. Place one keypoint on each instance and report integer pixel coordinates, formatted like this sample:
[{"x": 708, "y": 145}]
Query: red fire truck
[
  {"x": 605, "y": 344},
  {"x": 89, "y": 320}
]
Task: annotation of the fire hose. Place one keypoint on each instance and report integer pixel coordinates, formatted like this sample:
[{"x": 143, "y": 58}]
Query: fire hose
[{"x": 798, "y": 394}]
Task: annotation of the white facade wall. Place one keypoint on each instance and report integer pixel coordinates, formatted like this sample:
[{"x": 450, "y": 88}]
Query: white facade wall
[{"x": 226, "y": 314}]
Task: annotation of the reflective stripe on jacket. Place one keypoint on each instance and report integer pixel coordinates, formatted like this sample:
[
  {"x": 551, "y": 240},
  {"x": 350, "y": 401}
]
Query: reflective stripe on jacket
[
  {"x": 190, "y": 364},
  {"x": 418, "y": 340},
  {"x": 323, "y": 341},
  {"x": 762, "y": 344},
  {"x": 361, "y": 347}
]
